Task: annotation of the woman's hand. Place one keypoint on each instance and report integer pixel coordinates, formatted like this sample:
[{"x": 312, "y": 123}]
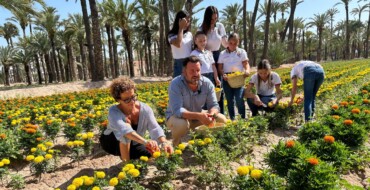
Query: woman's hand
[
  {"x": 225, "y": 77},
  {"x": 183, "y": 23},
  {"x": 257, "y": 101},
  {"x": 166, "y": 146},
  {"x": 152, "y": 146},
  {"x": 218, "y": 82}
]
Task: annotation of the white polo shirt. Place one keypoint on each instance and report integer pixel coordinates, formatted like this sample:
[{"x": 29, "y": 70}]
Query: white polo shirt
[
  {"x": 214, "y": 37},
  {"x": 185, "y": 46},
  {"x": 206, "y": 59},
  {"x": 232, "y": 61},
  {"x": 297, "y": 70},
  {"x": 263, "y": 88}
]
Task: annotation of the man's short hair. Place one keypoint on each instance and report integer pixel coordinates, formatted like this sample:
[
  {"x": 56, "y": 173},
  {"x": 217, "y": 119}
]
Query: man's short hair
[{"x": 191, "y": 59}]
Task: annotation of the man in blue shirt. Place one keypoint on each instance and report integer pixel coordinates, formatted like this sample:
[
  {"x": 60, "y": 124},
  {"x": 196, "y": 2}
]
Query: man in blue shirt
[{"x": 188, "y": 93}]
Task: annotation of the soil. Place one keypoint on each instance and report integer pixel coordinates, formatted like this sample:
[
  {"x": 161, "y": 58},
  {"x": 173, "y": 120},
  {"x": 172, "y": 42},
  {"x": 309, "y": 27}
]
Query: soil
[{"x": 67, "y": 169}]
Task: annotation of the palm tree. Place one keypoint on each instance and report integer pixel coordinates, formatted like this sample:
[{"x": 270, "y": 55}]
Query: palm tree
[
  {"x": 358, "y": 11},
  {"x": 24, "y": 56},
  {"x": 8, "y": 31},
  {"x": 231, "y": 14},
  {"x": 96, "y": 74},
  {"x": 245, "y": 43},
  {"x": 251, "y": 50},
  {"x": 22, "y": 18},
  {"x": 289, "y": 24},
  {"x": 41, "y": 44},
  {"x": 283, "y": 9},
  {"x": 298, "y": 26},
  {"x": 6, "y": 59},
  {"x": 48, "y": 21},
  {"x": 319, "y": 20},
  {"x": 16, "y": 5},
  {"x": 267, "y": 28},
  {"x": 345, "y": 3},
  {"x": 122, "y": 16},
  {"x": 275, "y": 6}
]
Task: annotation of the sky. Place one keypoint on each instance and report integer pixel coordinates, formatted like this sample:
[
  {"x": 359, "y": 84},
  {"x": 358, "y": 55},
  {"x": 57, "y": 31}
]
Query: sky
[{"x": 305, "y": 10}]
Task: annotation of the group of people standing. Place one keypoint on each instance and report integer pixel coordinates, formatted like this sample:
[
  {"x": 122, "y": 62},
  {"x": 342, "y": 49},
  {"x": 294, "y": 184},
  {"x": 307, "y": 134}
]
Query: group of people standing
[{"x": 199, "y": 67}]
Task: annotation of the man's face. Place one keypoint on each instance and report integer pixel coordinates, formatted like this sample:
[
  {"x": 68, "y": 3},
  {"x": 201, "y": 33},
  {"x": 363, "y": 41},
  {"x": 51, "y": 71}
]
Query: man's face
[{"x": 192, "y": 73}]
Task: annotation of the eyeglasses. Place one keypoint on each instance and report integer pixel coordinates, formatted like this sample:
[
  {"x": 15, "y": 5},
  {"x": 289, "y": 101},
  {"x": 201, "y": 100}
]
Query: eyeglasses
[{"x": 132, "y": 98}]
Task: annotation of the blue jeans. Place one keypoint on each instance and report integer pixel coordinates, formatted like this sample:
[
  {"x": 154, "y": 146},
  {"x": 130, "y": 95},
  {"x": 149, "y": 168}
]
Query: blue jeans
[
  {"x": 265, "y": 99},
  {"x": 216, "y": 55},
  {"x": 177, "y": 67},
  {"x": 313, "y": 78},
  {"x": 231, "y": 95}
]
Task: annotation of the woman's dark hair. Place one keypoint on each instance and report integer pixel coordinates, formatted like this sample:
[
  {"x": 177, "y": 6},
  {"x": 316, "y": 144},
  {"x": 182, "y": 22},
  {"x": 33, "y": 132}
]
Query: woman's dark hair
[
  {"x": 195, "y": 37},
  {"x": 265, "y": 64},
  {"x": 175, "y": 27},
  {"x": 206, "y": 25}
]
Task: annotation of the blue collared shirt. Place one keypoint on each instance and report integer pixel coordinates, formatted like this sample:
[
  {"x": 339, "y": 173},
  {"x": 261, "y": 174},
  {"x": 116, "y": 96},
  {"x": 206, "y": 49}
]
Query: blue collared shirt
[{"x": 182, "y": 98}]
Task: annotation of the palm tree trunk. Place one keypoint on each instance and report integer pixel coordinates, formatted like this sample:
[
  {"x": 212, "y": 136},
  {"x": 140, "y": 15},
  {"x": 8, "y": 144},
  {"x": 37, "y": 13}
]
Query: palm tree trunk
[
  {"x": 149, "y": 46},
  {"x": 6, "y": 72},
  {"x": 46, "y": 70},
  {"x": 28, "y": 73},
  {"x": 126, "y": 36},
  {"x": 347, "y": 32},
  {"x": 50, "y": 68},
  {"x": 97, "y": 75},
  {"x": 83, "y": 60},
  {"x": 267, "y": 29},
  {"x": 290, "y": 22},
  {"x": 161, "y": 43},
  {"x": 320, "y": 44},
  {"x": 110, "y": 50},
  {"x": 303, "y": 48},
  {"x": 251, "y": 49},
  {"x": 367, "y": 36},
  {"x": 36, "y": 57},
  {"x": 88, "y": 36},
  {"x": 245, "y": 24},
  {"x": 53, "y": 56},
  {"x": 115, "y": 53},
  {"x": 168, "y": 54}
]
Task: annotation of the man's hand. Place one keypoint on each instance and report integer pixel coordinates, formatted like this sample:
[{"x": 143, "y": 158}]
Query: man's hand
[{"x": 205, "y": 118}]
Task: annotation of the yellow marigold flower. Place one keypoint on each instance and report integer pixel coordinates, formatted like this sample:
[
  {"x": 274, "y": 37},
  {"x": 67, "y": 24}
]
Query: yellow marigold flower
[
  {"x": 38, "y": 159},
  {"x": 78, "y": 135},
  {"x": 201, "y": 142},
  {"x": 113, "y": 182},
  {"x": 76, "y": 143},
  {"x": 33, "y": 149},
  {"x": 40, "y": 146},
  {"x": 191, "y": 142},
  {"x": 130, "y": 166},
  {"x": 70, "y": 144},
  {"x": 207, "y": 140},
  {"x": 100, "y": 175},
  {"x": 71, "y": 187},
  {"x": 30, "y": 157},
  {"x": 144, "y": 158},
  {"x": 90, "y": 135},
  {"x": 121, "y": 175},
  {"x": 43, "y": 149},
  {"x": 250, "y": 167},
  {"x": 96, "y": 188},
  {"x": 5, "y": 161},
  {"x": 178, "y": 152},
  {"x": 134, "y": 172},
  {"x": 89, "y": 181},
  {"x": 48, "y": 156},
  {"x": 156, "y": 154},
  {"x": 49, "y": 144},
  {"x": 182, "y": 146},
  {"x": 84, "y": 136},
  {"x": 81, "y": 143},
  {"x": 78, "y": 182},
  {"x": 242, "y": 170},
  {"x": 256, "y": 174},
  {"x": 51, "y": 151},
  {"x": 1, "y": 164}
]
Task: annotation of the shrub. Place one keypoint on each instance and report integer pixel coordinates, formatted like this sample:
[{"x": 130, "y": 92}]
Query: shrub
[
  {"x": 255, "y": 179},
  {"x": 351, "y": 133},
  {"x": 283, "y": 156},
  {"x": 312, "y": 131}
]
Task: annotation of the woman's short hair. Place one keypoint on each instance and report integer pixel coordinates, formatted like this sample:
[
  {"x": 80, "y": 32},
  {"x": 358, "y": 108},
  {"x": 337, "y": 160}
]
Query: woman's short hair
[{"x": 120, "y": 85}]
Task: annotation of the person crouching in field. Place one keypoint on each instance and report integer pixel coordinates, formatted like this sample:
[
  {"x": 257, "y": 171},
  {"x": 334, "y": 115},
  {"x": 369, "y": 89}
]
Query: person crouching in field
[
  {"x": 268, "y": 91},
  {"x": 128, "y": 122}
]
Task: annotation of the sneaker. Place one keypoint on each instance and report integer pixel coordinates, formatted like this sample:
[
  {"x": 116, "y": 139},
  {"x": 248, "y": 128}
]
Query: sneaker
[{"x": 296, "y": 127}]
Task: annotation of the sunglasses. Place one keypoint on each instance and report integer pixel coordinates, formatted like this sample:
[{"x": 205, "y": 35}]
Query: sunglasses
[{"x": 132, "y": 98}]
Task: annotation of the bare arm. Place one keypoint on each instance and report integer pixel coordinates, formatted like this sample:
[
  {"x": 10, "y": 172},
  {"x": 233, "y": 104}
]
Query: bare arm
[
  {"x": 182, "y": 25},
  {"x": 294, "y": 90},
  {"x": 279, "y": 92},
  {"x": 246, "y": 68}
]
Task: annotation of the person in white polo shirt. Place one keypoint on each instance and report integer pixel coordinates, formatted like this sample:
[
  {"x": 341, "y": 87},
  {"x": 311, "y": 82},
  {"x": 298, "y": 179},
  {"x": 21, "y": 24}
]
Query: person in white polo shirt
[
  {"x": 216, "y": 36},
  {"x": 208, "y": 67},
  {"x": 181, "y": 40},
  {"x": 231, "y": 60},
  {"x": 268, "y": 89}
]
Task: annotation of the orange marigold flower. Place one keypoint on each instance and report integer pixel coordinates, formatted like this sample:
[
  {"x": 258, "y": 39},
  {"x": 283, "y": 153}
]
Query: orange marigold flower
[
  {"x": 345, "y": 104},
  {"x": 351, "y": 103},
  {"x": 363, "y": 92},
  {"x": 335, "y": 106},
  {"x": 39, "y": 139},
  {"x": 1, "y": 112},
  {"x": 367, "y": 111},
  {"x": 289, "y": 144},
  {"x": 72, "y": 124},
  {"x": 366, "y": 101},
  {"x": 49, "y": 122},
  {"x": 335, "y": 116},
  {"x": 30, "y": 131},
  {"x": 329, "y": 139},
  {"x": 2, "y": 136},
  {"x": 1, "y": 120},
  {"x": 348, "y": 122},
  {"x": 356, "y": 111},
  {"x": 313, "y": 161}
]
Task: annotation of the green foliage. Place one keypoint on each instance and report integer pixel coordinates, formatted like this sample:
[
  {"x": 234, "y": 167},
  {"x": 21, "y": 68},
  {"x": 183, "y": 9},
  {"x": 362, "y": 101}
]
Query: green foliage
[
  {"x": 282, "y": 157},
  {"x": 268, "y": 181},
  {"x": 51, "y": 128},
  {"x": 17, "y": 181},
  {"x": 305, "y": 174},
  {"x": 9, "y": 144},
  {"x": 167, "y": 164},
  {"x": 336, "y": 152},
  {"x": 29, "y": 137},
  {"x": 277, "y": 53},
  {"x": 312, "y": 131},
  {"x": 71, "y": 131},
  {"x": 352, "y": 135}
]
